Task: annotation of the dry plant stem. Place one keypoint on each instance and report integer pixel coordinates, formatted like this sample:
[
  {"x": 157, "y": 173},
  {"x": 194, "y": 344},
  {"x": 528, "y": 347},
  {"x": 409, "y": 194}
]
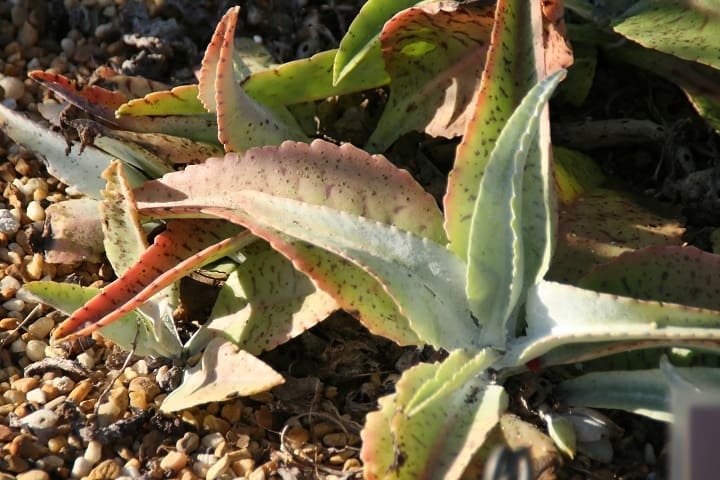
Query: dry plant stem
[
  {"x": 14, "y": 333},
  {"x": 614, "y": 132}
]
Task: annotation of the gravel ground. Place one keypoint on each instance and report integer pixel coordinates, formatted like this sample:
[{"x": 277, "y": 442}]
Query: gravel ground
[{"x": 86, "y": 410}]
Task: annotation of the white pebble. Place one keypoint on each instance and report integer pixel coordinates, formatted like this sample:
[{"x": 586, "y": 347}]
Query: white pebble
[
  {"x": 86, "y": 360},
  {"x": 36, "y": 395},
  {"x": 14, "y": 87},
  {"x": 80, "y": 468},
  {"x": 211, "y": 440},
  {"x": 63, "y": 384},
  {"x": 14, "y": 305},
  {"x": 35, "y": 350},
  {"x": 9, "y": 224},
  {"x": 40, "y": 420},
  {"x": 10, "y": 282},
  {"x": 35, "y": 211},
  {"x": 93, "y": 452}
]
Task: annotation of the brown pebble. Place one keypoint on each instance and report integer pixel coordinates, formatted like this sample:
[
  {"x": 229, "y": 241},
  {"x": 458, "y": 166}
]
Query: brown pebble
[
  {"x": 351, "y": 464},
  {"x": 81, "y": 390},
  {"x": 296, "y": 436},
  {"x": 33, "y": 475},
  {"x": 174, "y": 461},
  {"x": 8, "y": 323},
  {"x": 264, "y": 417},
  {"x": 138, "y": 400},
  {"x": 337, "y": 440},
  {"x": 14, "y": 464},
  {"x": 218, "y": 468},
  {"x": 212, "y": 423},
  {"x": 107, "y": 469},
  {"x": 6, "y": 433},
  {"x": 145, "y": 385},
  {"x": 232, "y": 412},
  {"x": 24, "y": 446},
  {"x": 24, "y": 385},
  {"x": 243, "y": 467}
]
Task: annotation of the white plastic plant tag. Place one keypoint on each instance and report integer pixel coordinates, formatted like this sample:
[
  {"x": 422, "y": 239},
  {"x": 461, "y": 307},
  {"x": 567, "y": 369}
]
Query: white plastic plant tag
[{"x": 696, "y": 409}]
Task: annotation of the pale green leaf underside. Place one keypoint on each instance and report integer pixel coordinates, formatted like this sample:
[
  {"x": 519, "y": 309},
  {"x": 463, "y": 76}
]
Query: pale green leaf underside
[
  {"x": 424, "y": 278},
  {"x": 495, "y": 275},
  {"x": 81, "y": 168},
  {"x": 645, "y": 392},
  {"x": 128, "y": 331},
  {"x": 559, "y": 314}
]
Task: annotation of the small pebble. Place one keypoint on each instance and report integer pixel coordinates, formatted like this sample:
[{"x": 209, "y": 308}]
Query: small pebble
[
  {"x": 243, "y": 467},
  {"x": 14, "y": 305},
  {"x": 219, "y": 468},
  {"x": 81, "y": 467},
  {"x": 188, "y": 443},
  {"x": 145, "y": 385},
  {"x": 28, "y": 35},
  {"x": 35, "y": 350},
  {"x": 93, "y": 452},
  {"x": 9, "y": 282},
  {"x": 14, "y": 89},
  {"x": 40, "y": 420},
  {"x": 35, "y": 211},
  {"x": 174, "y": 461},
  {"x": 13, "y": 397},
  {"x": 24, "y": 385},
  {"x": 335, "y": 440},
  {"x": 41, "y": 327},
  {"x": 36, "y": 395},
  {"x": 81, "y": 391},
  {"x": 68, "y": 46},
  {"x": 18, "y": 346},
  {"x": 33, "y": 475},
  {"x": 211, "y": 440},
  {"x": 86, "y": 360},
  {"x": 105, "y": 470}
]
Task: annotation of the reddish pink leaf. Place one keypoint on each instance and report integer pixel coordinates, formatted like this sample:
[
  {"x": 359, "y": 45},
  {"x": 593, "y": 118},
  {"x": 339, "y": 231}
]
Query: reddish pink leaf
[{"x": 180, "y": 249}]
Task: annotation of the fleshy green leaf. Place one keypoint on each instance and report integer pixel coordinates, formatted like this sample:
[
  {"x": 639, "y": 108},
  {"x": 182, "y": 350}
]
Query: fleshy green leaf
[
  {"x": 424, "y": 278},
  {"x": 361, "y": 40},
  {"x": 242, "y": 122},
  {"x": 510, "y": 71},
  {"x": 182, "y": 100},
  {"x": 125, "y": 244},
  {"x": 502, "y": 258},
  {"x": 106, "y": 139},
  {"x": 223, "y": 373},
  {"x": 569, "y": 324},
  {"x": 689, "y": 30},
  {"x": 80, "y": 167},
  {"x": 675, "y": 274},
  {"x": 434, "y": 54},
  {"x": 575, "y": 174},
  {"x": 342, "y": 177},
  {"x": 438, "y": 438},
  {"x": 601, "y": 225},
  {"x": 264, "y": 302},
  {"x": 645, "y": 392}
]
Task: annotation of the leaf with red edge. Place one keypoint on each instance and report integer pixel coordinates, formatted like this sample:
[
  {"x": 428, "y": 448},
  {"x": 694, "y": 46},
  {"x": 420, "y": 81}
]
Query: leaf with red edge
[
  {"x": 341, "y": 177},
  {"x": 183, "y": 247},
  {"x": 97, "y": 101},
  {"x": 242, "y": 122},
  {"x": 434, "y": 54},
  {"x": 182, "y": 100}
]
